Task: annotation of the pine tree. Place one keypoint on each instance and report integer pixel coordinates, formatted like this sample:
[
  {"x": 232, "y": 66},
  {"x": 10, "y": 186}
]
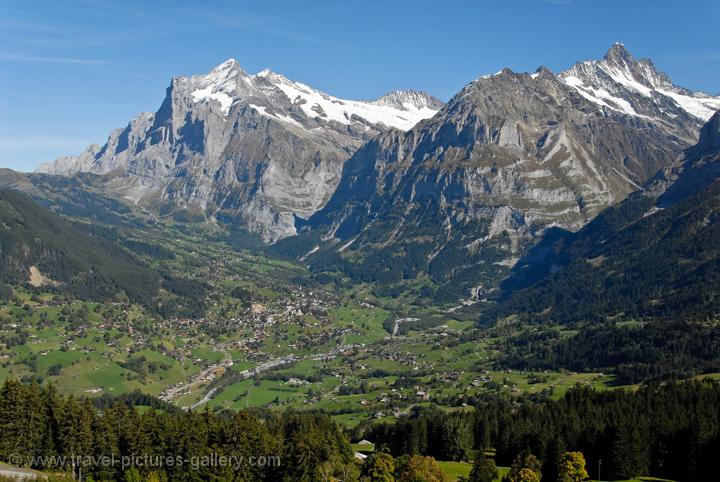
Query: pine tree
[
  {"x": 12, "y": 427},
  {"x": 105, "y": 443},
  {"x": 51, "y": 405},
  {"x": 629, "y": 456},
  {"x": 75, "y": 437}
]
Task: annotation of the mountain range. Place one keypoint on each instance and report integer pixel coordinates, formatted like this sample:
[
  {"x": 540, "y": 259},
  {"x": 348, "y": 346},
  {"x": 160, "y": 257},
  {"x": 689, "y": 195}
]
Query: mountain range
[
  {"x": 255, "y": 149},
  {"x": 460, "y": 197},
  {"x": 402, "y": 190}
]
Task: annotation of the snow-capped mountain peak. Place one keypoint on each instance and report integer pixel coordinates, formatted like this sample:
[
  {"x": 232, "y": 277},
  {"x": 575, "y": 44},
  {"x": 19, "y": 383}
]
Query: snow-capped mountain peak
[
  {"x": 621, "y": 83},
  {"x": 220, "y": 84},
  {"x": 265, "y": 73},
  {"x": 228, "y": 83},
  {"x": 404, "y": 113}
]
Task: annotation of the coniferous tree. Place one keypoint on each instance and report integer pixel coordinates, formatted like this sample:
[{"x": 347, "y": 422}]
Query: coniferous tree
[{"x": 629, "y": 452}]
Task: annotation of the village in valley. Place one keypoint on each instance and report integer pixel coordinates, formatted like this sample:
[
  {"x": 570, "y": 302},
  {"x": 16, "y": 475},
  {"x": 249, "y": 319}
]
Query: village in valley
[{"x": 268, "y": 338}]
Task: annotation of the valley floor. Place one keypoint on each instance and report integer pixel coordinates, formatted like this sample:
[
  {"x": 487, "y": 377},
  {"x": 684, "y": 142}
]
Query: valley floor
[{"x": 270, "y": 338}]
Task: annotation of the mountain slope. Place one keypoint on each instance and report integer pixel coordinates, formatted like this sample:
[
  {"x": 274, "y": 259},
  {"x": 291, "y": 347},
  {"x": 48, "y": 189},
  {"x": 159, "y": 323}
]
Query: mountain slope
[
  {"x": 255, "y": 149},
  {"x": 77, "y": 196},
  {"x": 40, "y": 248},
  {"x": 458, "y": 198},
  {"x": 654, "y": 255},
  {"x": 84, "y": 261}
]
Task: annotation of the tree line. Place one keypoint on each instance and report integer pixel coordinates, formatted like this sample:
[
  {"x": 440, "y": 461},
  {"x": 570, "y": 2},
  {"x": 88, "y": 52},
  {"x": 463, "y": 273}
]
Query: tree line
[
  {"x": 670, "y": 430},
  {"x": 36, "y": 423},
  {"x": 635, "y": 353}
]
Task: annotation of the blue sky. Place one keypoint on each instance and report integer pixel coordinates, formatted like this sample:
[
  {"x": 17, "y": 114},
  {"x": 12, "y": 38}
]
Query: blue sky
[{"x": 72, "y": 71}]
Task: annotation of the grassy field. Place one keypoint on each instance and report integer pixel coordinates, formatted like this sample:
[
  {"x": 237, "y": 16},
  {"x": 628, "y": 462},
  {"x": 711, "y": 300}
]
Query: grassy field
[
  {"x": 90, "y": 348},
  {"x": 455, "y": 469},
  {"x": 75, "y": 347},
  {"x": 643, "y": 479},
  {"x": 369, "y": 320}
]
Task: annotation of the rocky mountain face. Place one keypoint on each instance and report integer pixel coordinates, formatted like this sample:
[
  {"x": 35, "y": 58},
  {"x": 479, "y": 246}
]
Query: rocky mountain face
[
  {"x": 459, "y": 198},
  {"x": 653, "y": 255},
  {"x": 258, "y": 149}
]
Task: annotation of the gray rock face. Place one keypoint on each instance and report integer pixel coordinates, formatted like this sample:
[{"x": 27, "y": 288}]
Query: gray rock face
[
  {"x": 408, "y": 100},
  {"x": 260, "y": 149},
  {"x": 710, "y": 135},
  {"x": 657, "y": 249},
  {"x": 465, "y": 193}
]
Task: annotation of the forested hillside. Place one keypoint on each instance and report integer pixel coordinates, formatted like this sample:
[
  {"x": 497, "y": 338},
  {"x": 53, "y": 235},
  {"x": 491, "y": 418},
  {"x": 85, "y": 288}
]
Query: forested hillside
[
  {"x": 635, "y": 291},
  {"x": 632, "y": 261},
  {"x": 84, "y": 260},
  {"x": 634, "y": 352}
]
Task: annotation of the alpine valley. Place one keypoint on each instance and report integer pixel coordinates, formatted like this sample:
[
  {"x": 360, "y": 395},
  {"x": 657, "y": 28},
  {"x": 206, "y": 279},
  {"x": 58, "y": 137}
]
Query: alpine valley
[{"x": 315, "y": 270}]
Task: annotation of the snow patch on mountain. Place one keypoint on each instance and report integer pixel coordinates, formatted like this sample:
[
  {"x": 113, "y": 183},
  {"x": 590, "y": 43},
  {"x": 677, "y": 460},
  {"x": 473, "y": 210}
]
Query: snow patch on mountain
[
  {"x": 316, "y": 104},
  {"x": 283, "y": 118},
  {"x": 702, "y": 107},
  {"x": 601, "y": 96},
  {"x": 218, "y": 85}
]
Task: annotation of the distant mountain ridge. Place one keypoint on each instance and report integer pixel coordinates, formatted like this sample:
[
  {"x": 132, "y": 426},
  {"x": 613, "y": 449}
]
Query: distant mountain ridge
[
  {"x": 460, "y": 197},
  {"x": 409, "y": 100},
  {"x": 255, "y": 149}
]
